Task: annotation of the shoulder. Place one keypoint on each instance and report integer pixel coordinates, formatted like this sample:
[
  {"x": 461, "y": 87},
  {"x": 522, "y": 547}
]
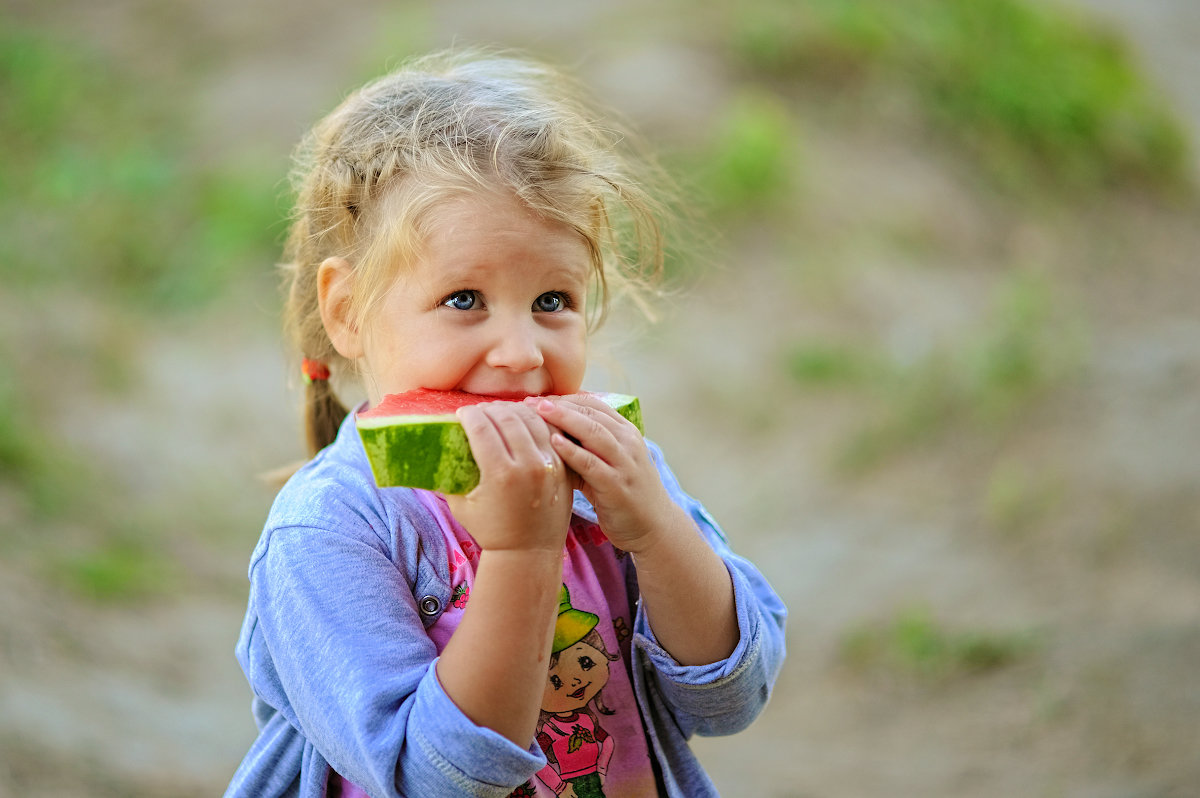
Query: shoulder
[{"x": 334, "y": 498}]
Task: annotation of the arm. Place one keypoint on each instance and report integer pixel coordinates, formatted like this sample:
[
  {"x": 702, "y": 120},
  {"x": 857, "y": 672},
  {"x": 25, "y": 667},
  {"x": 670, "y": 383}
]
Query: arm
[
  {"x": 718, "y": 695},
  {"x": 337, "y": 646},
  {"x": 723, "y": 697},
  {"x": 494, "y": 667},
  {"x": 335, "y": 642},
  {"x": 686, "y": 588},
  {"x": 687, "y": 593}
]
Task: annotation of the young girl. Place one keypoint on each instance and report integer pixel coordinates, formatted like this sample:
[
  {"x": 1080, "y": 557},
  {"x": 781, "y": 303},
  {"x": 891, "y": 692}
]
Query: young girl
[{"x": 456, "y": 223}]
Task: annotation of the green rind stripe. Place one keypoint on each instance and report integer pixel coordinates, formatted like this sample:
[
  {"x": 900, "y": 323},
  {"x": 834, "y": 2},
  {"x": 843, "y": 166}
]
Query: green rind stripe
[{"x": 431, "y": 452}]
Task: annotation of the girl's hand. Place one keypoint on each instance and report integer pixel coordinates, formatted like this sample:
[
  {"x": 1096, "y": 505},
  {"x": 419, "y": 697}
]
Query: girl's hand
[
  {"x": 614, "y": 466},
  {"x": 523, "y": 500},
  {"x": 685, "y": 587}
]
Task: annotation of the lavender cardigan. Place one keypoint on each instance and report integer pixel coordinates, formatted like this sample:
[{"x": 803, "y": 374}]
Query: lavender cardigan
[{"x": 343, "y": 582}]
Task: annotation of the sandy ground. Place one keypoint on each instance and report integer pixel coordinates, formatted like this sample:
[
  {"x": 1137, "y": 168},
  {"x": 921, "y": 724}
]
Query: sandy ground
[{"x": 1102, "y": 574}]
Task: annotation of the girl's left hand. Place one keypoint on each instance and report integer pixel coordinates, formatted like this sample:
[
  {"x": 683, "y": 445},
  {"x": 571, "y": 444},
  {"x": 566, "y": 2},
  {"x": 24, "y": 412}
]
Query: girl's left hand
[{"x": 614, "y": 466}]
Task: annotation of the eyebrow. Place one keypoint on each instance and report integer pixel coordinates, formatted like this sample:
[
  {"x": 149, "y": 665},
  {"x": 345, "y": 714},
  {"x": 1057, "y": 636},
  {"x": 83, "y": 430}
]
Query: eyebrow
[{"x": 467, "y": 272}]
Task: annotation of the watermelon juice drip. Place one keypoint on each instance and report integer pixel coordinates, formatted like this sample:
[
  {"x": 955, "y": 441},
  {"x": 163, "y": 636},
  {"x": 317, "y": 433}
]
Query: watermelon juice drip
[{"x": 414, "y": 440}]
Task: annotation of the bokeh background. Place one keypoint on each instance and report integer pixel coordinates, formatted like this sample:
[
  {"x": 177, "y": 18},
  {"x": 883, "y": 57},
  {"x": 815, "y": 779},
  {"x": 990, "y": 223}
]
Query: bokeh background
[{"x": 931, "y": 355}]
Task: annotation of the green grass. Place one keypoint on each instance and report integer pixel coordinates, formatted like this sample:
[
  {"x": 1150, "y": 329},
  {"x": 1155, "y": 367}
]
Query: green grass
[
  {"x": 915, "y": 645},
  {"x": 38, "y": 467},
  {"x": 1034, "y": 93},
  {"x": 99, "y": 191},
  {"x": 818, "y": 363},
  {"x": 52, "y": 488},
  {"x": 103, "y": 202},
  {"x": 1018, "y": 497},
  {"x": 751, "y": 166},
  {"x": 975, "y": 383},
  {"x": 117, "y": 570}
]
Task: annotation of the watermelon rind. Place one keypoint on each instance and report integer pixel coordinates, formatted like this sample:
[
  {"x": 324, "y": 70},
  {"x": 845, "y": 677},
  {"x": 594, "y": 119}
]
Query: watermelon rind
[{"x": 431, "y": 451}]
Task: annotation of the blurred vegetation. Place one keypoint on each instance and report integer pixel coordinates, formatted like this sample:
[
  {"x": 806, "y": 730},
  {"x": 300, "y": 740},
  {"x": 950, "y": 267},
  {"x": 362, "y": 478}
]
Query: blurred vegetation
[
  {"x": 123, "y": 568},
  {"x": 975, "y": 382},
  {"x": 1038, "y": 102},
  {"x": 1036, "y": 95},
  {"x": 68, "y": 513},
  {"x": 752, "y": 162},
  {"x": 916, "y": 646},
  {"x": 1018, "y": 496},
  {"x": 104, "y": 202},
  {"x": 99, "y": 189},
  {"x": 28, "y": 460}
]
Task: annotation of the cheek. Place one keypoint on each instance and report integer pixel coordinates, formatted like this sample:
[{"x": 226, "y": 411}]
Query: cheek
[
  {"x": 571, "y": 360},
  {"x": 430, "y": 356}
]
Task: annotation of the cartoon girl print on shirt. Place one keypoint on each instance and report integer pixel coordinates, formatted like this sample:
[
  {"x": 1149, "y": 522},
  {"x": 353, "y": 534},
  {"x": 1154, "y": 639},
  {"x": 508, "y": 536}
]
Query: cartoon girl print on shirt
[{"x": 576, "y": 746}]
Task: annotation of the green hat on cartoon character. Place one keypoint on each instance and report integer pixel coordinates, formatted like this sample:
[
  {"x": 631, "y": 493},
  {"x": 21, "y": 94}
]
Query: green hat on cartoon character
[{"x": 572, "y": 624}]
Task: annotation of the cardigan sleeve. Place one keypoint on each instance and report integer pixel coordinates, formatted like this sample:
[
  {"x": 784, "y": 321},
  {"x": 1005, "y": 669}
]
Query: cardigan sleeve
[
  {"x": 722, "y": 697},
  {"x": 338, "y": 648}
]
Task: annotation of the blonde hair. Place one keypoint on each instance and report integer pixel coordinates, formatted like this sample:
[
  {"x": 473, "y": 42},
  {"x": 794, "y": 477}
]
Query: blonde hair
[{"x": 368, "y": 174}]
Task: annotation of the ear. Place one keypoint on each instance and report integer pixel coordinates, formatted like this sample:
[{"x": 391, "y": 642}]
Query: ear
[{"x": 335, "y": 287}]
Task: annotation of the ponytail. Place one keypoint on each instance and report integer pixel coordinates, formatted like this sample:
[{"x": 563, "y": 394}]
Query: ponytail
[
  {"x": 323, "y": 413},
  {"x": 323, "y": 416}
]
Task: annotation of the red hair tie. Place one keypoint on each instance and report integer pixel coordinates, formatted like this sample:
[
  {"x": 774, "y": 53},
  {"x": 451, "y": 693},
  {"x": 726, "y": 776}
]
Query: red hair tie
[{"x": 313, "y": 370}]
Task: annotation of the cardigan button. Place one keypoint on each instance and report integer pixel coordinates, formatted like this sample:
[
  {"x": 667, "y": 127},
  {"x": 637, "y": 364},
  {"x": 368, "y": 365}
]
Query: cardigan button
[{"x": 429, "y": 605}]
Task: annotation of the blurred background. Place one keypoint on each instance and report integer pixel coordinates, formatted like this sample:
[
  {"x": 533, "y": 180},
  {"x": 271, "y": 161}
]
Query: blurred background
[{"x": 932, "y": 356}]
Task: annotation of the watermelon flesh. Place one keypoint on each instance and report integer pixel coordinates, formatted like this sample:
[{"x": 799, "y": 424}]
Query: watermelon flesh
[{"x": 414, "y": 440}]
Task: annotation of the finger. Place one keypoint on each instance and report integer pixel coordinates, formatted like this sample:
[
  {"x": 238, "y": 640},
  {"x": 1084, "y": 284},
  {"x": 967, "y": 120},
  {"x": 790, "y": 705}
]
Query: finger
[
  {"x": 596, "y": 408},
  {"x": 586, "y": 425},
  {"x": 538, "y": 427},
  {"x": 586, "y": 400},
  {"x": 541, "y": 433},
  {"x": 588, "y": 466},
  {"x": 506, "y": 417},
  {"x": 487, "y": 444},
  {"x": 525, "y": 433}
]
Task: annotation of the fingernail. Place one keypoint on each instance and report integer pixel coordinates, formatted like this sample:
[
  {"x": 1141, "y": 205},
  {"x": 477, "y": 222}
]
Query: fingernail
[{"x": 545, "y": 404}]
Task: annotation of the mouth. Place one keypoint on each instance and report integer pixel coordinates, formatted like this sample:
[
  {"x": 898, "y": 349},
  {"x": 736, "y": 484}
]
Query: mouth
[
  {"x": 508, "y": 395},
  {"x": 578, "y": 694}
]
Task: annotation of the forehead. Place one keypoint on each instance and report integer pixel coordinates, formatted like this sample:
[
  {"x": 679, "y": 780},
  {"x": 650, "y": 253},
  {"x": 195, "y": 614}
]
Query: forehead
[{"x": 492, "y": 226}]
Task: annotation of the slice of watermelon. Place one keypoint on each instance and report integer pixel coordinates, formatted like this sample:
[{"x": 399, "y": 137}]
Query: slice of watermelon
[{"x": 414, "y": 440}]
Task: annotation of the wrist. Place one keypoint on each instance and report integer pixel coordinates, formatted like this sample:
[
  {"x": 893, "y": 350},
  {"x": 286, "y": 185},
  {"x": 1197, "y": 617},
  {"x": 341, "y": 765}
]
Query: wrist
[
  {"x": 532, "y": 561},
  {"x": 673, "y": 528}
]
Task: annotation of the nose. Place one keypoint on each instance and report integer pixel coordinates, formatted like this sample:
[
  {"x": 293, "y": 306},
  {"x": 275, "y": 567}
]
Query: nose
[{"x": 516, "y": 346}]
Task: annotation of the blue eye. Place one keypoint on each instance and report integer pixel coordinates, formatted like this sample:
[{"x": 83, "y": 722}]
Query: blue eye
[
  {"x": 460, "y": 300},
  {"x": 551, "y": 302}
]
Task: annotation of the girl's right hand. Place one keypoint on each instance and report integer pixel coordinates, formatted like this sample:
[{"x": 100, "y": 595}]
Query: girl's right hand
[{"x": 523, "y": 500}]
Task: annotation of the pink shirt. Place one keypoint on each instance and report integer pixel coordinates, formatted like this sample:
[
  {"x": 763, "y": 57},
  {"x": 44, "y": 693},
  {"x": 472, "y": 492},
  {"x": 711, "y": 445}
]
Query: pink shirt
[{"x": 590, "y": 726}]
